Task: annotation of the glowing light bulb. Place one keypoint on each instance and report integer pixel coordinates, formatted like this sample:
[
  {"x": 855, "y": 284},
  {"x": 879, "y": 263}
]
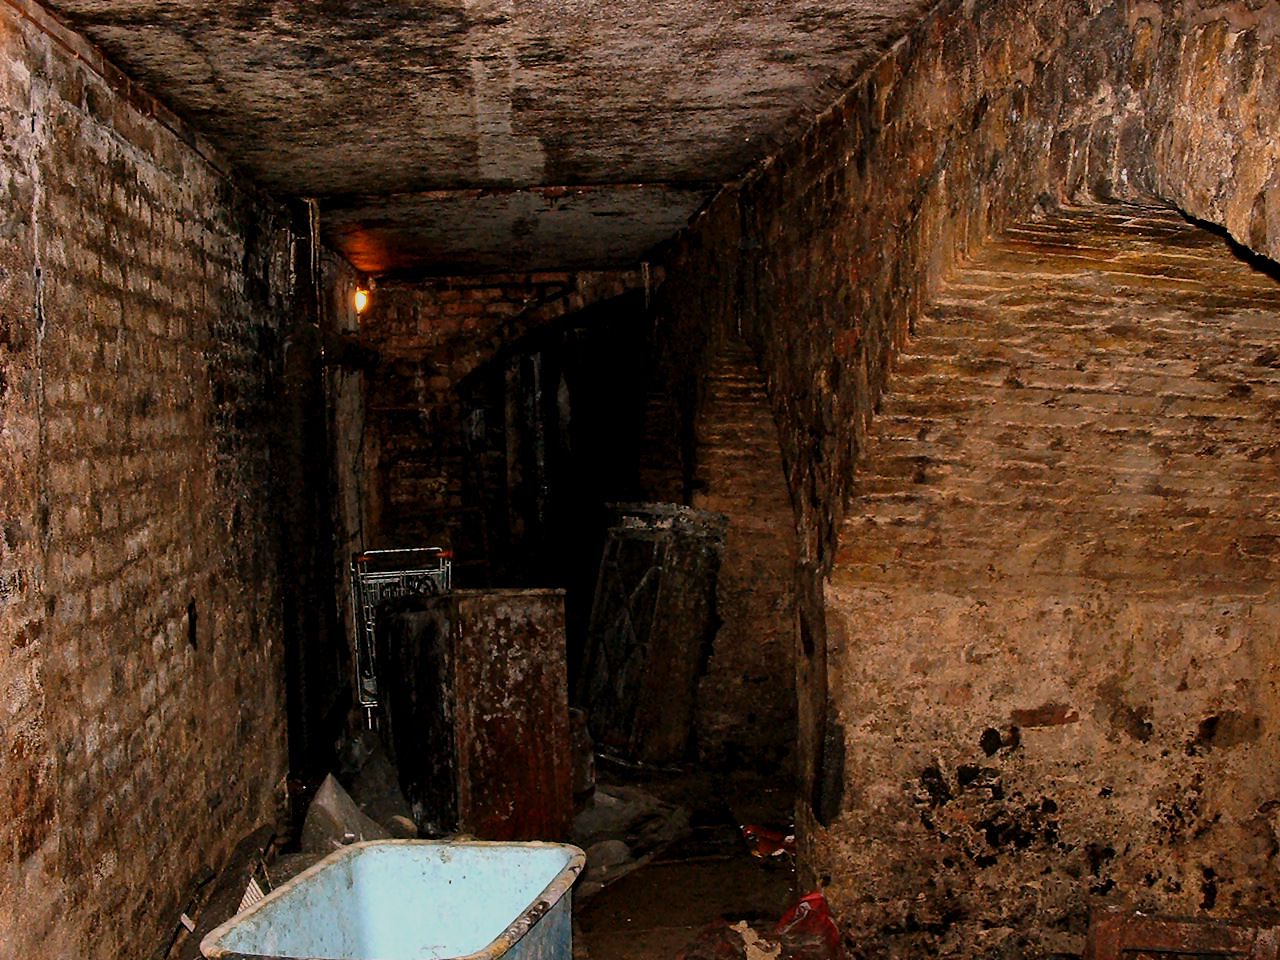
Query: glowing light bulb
[{"x": 362, "y": 300}]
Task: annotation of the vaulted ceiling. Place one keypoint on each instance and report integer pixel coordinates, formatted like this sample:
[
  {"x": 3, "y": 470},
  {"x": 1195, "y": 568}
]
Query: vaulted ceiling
[{"x": 454, "y": 136}]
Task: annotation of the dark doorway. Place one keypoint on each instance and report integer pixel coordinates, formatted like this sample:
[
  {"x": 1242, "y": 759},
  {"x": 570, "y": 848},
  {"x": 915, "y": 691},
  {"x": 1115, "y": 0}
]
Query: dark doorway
[{"x": 553, "y": 431}]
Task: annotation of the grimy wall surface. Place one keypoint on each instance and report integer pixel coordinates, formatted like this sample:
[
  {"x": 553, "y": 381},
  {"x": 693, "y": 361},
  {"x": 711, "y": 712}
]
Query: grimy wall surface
[
  {"x": 141, "y": 687},
  {"x": 429, "y": 337},
  {"x": 987, "y": 113},
  {"x": 1054, "y": 609},
  {"x": 745, "y": 718}
]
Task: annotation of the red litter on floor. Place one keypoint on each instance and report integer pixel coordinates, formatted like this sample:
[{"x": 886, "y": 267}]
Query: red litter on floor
[{"x": 808, "y": 931}]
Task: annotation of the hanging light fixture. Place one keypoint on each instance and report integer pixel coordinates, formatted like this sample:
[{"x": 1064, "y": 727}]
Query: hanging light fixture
[{"x": 361, "y": 300}]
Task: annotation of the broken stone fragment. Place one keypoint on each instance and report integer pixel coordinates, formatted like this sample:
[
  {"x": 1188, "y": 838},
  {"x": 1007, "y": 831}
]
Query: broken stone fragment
[
  {"x": 333, "y": 821},
  {"x": 649, "y": 825},
  {"x": 402, "y": 828},
  {"x": 606, "y": 861},
  {"x": 605, "y": 857},
  {"x": 374, "y": 787}
]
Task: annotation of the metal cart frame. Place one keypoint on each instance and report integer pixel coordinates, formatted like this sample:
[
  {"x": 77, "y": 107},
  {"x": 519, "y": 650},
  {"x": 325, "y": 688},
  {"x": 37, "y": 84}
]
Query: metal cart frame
[{"x": 380, "y": 575}]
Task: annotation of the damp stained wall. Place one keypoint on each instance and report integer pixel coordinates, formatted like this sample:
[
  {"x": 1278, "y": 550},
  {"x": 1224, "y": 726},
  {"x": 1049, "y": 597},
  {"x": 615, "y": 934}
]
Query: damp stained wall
[
  {"x": 347, "y": 370},
  {"x": 428, "y": 337},
  {"x": 745, "y": 717},
  {"x": 434, "y": 341},
  {"x": 142, "y": 295},
  {"x": 986, "y": 114},
  {"x": 1055, "y": 595}
]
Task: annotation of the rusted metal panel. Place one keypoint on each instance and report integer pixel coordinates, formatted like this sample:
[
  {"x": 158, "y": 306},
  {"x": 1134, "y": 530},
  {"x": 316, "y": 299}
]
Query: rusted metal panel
[
  {"x": 477, "y": 712},
  {"x": 512, "y": 714},
  {"x": 1115, "y": 931},
  {"x": 651, "y": 628}
]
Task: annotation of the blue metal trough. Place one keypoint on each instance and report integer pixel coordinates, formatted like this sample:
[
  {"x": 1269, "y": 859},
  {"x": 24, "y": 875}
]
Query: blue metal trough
[{"x": 414, "y": 900}]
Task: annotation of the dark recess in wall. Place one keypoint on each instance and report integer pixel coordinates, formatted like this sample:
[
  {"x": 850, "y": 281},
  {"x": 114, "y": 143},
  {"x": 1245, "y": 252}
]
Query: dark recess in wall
[
  {"x": 317, "y": 667},
  {"x": 553, "y": 430}
]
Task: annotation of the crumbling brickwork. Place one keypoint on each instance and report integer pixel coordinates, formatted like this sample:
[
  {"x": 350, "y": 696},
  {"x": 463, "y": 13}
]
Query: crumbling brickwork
[
  {"x": 985, "y": 114},
  {"x": 141, "y": 719},
  {"x": 746, "y": 700},
  {"x": 835, "y": 240},
  {"x": 1054, "y": 609}
]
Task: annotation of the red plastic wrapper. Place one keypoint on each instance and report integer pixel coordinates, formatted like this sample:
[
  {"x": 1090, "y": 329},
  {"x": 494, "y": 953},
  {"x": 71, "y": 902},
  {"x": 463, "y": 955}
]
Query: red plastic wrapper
[
  {"x": 766, "y": 842},
  {"x": 808, "y": 931}
]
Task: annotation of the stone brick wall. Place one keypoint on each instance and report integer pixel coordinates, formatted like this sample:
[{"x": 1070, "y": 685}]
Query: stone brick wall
[
  {"x": 836, "y": 239},
  {"x": 745, "y": 716},
  {"x": 430, "y": 336},
  {"x": 1054, "y": 607},
  {"x": 696, "y": 310},
  {"x": 1209, "y": 73},
  {"x": 141, "y": 722},
  {"x": 987, "y": 113}
]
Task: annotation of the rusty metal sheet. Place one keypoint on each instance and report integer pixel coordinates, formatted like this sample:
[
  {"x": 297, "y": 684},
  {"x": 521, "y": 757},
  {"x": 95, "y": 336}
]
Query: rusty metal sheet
[
  {"x": 512, "y": 714},
  {"x": 1115, "y": 931},
  {"x": 477, "y": 712}
]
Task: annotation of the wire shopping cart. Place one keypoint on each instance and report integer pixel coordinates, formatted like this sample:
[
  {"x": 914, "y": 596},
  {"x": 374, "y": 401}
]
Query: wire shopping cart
[{"x": 380, "y": 575}]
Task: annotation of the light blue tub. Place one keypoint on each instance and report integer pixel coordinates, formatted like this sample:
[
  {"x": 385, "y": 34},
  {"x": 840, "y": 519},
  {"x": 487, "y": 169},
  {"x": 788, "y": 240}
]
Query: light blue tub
[{"x": 414, "y": 900}]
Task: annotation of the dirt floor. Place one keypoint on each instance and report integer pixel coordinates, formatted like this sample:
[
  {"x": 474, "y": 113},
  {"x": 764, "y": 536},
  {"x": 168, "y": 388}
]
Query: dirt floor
[{"x": 707, "y": 876}]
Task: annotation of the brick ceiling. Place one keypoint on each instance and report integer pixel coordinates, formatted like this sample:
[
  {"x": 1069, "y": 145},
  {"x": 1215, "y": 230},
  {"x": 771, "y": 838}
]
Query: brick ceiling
[{"x": 439, "y": 135}]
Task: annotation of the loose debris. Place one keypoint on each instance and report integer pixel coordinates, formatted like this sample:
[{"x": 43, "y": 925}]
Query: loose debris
[
  {"x": 369, "y": 775},
  {"x": 375, "y": 808},
  {"x": 220, "y": 896},
  {"x": 767, "y": 842},
  {"x": 621, "y": 829},
  {"x": 756, "y": 946},
  {"x": 334, "y": 820},
  {"x": 806, "y": 932}
]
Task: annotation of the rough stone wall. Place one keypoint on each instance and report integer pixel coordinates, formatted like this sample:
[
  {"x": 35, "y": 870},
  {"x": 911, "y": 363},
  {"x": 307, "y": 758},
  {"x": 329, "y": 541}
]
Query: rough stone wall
[
  {"x": 1054, "y": 610},
  {"x": 428, "y": 337},
  {"x": 695, "y": 311},
  {"x": 745, "y": 716},
  {"x": 141, "y": 722},
  {"x": 984, "y": 114},
  {"x": 984, "y": 110},
  {"x": 1209, "y": 75}
]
